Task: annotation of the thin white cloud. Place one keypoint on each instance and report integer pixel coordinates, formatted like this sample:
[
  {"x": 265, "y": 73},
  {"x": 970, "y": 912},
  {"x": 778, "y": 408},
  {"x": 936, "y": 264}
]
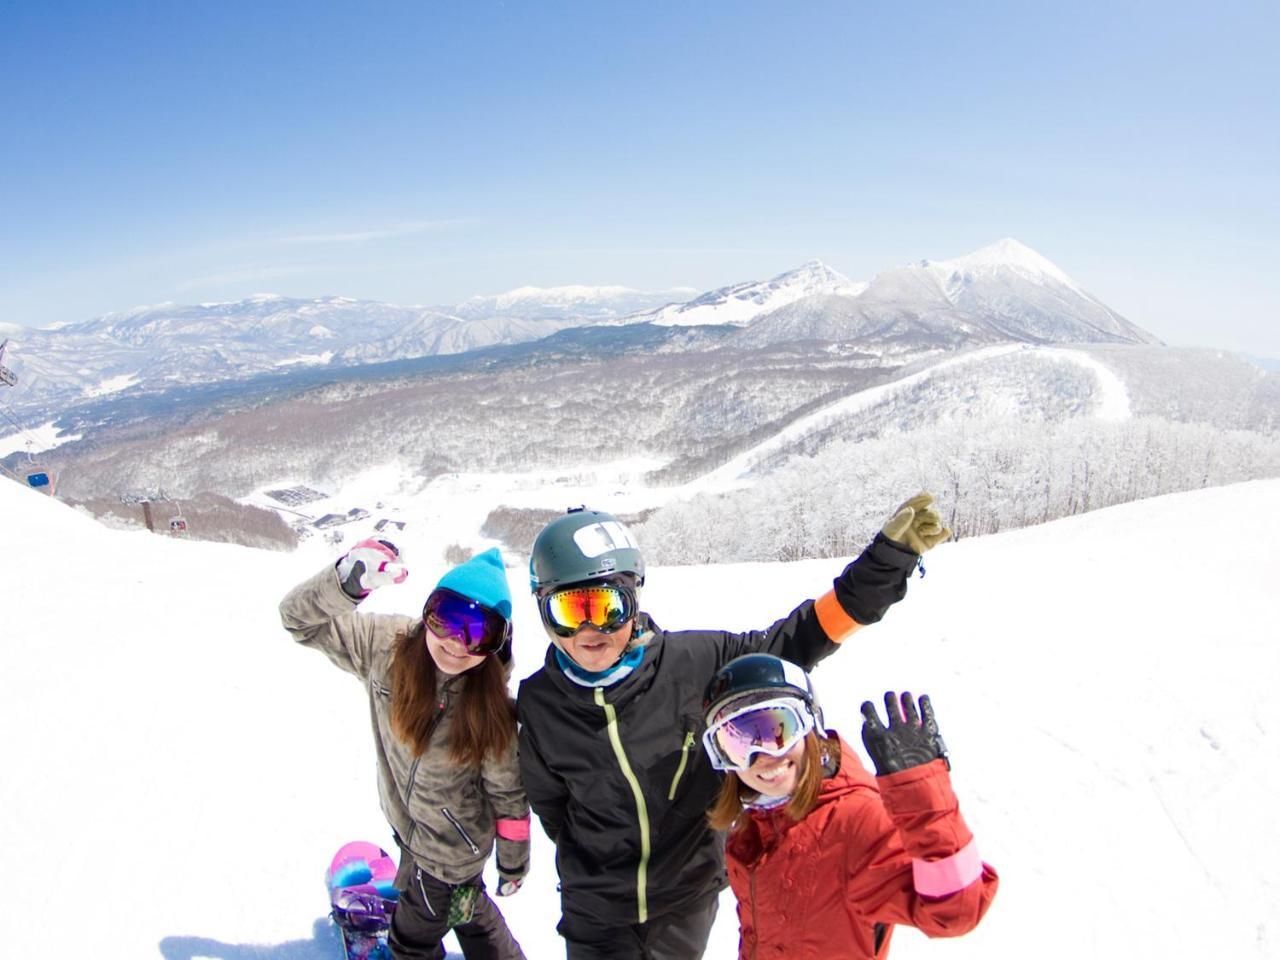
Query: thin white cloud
[{"x": 381, "y": 233}]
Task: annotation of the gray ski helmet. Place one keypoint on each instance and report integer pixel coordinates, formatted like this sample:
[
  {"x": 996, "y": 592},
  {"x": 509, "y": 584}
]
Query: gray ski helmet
[
  {"x": 583, "y": 545},
  {"x": 760, "y": 676}
]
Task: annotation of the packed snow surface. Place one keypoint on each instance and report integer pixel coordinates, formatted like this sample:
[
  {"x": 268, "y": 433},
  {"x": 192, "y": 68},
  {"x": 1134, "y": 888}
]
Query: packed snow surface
[
  {"x": 112, "y": 385},
  {"x": 177, "y": 772},
  {"x": 35, "y": 439},
  {"x": 307, "y": 359}
]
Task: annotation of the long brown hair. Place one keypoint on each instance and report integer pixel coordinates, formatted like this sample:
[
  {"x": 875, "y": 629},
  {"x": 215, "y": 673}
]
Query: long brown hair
[
  {"x": 486, "y": 720},
  {"x": 735, "y": 795}
]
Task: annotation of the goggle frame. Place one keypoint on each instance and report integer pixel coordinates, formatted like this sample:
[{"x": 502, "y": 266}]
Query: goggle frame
[{"x": 719, "y": 757}]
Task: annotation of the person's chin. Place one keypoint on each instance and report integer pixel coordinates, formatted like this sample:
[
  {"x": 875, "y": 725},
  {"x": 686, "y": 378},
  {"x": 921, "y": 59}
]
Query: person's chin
[
  {"x": 452, "y": 665},
  {"x": 593, "y": 656},
  {"x": 593, "y": 664},
  {"x": 780, "y": 785}
]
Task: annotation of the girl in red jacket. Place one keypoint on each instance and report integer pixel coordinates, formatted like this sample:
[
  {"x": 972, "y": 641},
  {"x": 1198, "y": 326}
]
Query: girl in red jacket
[{"x": 824, "y": 858}]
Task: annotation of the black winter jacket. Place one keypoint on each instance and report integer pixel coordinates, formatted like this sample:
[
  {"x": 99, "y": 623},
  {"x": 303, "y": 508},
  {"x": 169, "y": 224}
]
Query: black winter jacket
[{"x": 617, "y": 774}]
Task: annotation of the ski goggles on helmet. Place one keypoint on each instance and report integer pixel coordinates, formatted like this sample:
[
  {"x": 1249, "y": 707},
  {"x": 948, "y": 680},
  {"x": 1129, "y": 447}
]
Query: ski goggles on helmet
[
  {"x": 605, "y": 605},
  {"x": 452, "y": 616},
  {"x": 737, "y": 733}
]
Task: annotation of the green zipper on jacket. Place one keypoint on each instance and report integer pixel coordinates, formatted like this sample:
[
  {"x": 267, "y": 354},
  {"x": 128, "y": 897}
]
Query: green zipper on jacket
[
  {"x": 684, "y": 759},
  {"x": 642, "y": 811}
]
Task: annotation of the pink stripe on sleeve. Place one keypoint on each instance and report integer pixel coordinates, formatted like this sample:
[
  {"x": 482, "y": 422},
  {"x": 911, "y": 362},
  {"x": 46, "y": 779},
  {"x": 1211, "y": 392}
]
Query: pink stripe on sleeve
[
  {"x": 941, "y": 878},
  {"x": 514, "y": 829}
]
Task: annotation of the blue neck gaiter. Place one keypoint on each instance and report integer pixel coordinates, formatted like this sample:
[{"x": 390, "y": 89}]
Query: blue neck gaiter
[{"x": 604, "y": 678}]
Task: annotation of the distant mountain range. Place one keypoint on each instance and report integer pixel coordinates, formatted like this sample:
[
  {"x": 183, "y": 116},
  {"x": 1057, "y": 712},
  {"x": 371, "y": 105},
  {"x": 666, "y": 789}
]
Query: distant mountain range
[{"x": 1003, "y": 292}]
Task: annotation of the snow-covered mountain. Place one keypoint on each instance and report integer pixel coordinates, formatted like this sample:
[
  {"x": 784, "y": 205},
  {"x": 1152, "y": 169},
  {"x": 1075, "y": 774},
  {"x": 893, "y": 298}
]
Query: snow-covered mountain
[
  {"x": 1005, "y": 291},
  {"x": 159, "y": 346},
  {"x": 1112, "y": 750},
  {"x": 742, "y": 303},
  {"x": 1026, "y": 296}
]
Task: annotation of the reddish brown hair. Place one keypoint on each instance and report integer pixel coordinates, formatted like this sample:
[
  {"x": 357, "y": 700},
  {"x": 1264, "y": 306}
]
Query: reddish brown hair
[
  {"x": 486, "y": 718},
  {"x": 735, "y": 795}
]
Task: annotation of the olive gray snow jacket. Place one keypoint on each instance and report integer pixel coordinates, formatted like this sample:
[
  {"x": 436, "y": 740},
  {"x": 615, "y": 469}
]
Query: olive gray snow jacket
[{"x": 444, "y": 815}]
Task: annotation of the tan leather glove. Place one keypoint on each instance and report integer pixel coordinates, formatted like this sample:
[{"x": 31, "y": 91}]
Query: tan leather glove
[{"x": 916, "y": 525}]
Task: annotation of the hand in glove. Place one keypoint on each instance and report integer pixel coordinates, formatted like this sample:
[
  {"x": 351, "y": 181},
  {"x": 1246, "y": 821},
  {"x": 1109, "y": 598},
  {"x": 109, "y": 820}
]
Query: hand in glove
[
  {"x": 509, "y": 881},
  {"x": 910, "y": 740},
  {"x": 368, "y": 565},
  {"x": 916, "y": 525}
]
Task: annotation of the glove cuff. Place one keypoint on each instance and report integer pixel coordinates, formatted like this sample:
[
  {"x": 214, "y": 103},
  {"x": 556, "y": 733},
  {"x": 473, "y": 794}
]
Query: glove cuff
[
  {"x": 351, "y": 584},
  {"x": 875, "y": 581},
  {"x": 512, "y": 873}
]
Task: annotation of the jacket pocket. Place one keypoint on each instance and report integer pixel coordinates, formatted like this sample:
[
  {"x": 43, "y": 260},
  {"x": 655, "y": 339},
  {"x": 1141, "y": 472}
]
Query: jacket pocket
[{"x": 462, "y": 831}]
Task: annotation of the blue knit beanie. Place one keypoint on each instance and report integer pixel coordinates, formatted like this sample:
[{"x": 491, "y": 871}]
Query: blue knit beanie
[{"x": 483, "y": 579}]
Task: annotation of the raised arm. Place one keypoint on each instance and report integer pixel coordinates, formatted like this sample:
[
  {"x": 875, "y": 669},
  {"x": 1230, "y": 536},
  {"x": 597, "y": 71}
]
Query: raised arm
[
  {"x": 861, "y": 595},
  {"x": 912, "y": 857},
  {"x": 320, "y": 611}
]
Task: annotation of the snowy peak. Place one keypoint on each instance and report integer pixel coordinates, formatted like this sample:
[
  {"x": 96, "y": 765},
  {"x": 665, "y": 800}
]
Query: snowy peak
[
  {"x": 1007, "y": 254},
  {"x": 1004, "y": 291},
  {"x": 742, "y": 303},
  {"x": 819, "y": 277}
]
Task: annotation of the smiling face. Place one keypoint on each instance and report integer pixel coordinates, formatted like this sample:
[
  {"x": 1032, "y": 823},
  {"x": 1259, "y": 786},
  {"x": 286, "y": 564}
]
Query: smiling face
[
  {"x": 595, "y": 651},
  {"x": 775, "y": 776},
  {"x": 450, "y": 655}
]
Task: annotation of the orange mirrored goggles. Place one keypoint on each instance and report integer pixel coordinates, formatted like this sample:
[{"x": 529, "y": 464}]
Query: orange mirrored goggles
[{"x": 604, "y": 606}]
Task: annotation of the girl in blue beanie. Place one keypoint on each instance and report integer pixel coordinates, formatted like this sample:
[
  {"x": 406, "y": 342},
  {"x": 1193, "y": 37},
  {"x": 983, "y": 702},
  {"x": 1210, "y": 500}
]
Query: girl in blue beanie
[{"x": 445, "y": 736}]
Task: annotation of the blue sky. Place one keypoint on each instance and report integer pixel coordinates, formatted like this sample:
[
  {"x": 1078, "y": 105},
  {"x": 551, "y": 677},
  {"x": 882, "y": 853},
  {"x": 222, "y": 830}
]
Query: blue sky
[{"x": 425, "y": 152}]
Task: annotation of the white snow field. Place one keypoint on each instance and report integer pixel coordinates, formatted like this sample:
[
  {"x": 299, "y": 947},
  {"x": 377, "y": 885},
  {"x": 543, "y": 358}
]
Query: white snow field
[{"x": 176, "y": 773}]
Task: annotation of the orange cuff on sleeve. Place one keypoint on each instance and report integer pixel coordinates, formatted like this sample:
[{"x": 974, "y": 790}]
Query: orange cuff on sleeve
[{"x": 837, "y": 624}]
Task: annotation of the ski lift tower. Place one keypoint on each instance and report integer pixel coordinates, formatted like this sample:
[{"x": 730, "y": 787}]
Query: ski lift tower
[{"x": 7, "y": 376}]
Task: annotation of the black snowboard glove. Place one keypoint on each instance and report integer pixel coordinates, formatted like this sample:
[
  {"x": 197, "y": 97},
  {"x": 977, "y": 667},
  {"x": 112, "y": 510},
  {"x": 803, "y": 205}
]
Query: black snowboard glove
[{"x": 908, "y": 741}]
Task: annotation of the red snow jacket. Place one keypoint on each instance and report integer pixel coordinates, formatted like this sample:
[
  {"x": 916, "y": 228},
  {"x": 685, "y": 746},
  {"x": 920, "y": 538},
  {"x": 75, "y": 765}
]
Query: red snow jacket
[{"x": 832, "y": 886}]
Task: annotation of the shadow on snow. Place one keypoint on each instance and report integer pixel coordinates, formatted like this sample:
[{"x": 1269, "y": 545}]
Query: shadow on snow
[{"x": 325, "y": 944}]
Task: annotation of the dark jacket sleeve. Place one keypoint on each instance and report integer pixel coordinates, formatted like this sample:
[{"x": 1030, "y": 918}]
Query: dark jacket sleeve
[
  {"x": 548, "y": 794},
  {"x": 875, "y": 581},
  {"x": 862, "y": 593}
]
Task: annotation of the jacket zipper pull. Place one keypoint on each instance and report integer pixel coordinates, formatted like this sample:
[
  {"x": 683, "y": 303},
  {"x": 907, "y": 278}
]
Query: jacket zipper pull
[{"x": 457, "y": 825}]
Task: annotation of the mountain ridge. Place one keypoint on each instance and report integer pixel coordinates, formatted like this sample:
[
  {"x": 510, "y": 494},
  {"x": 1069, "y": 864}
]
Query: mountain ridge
[{"x": 1002, "y": 292}]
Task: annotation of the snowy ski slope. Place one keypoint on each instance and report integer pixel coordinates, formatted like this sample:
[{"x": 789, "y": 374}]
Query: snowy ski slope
[{"x": 177, "y": 773}]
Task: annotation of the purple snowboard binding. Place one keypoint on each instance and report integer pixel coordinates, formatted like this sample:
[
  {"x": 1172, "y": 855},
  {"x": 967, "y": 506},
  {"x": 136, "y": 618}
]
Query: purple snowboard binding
[{"x": 362, "y": 898}]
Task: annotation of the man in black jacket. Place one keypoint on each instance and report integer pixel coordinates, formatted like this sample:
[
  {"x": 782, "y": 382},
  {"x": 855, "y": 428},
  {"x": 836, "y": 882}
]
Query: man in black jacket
[{"x": 610, "y": 727}]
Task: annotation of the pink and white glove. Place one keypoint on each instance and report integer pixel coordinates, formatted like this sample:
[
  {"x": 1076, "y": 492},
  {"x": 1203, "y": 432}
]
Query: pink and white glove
[{"x": 368, "y": 565}]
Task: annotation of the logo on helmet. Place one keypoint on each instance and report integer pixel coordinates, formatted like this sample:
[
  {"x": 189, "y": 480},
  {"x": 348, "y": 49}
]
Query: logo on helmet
[{"x": 600, "y": 538}]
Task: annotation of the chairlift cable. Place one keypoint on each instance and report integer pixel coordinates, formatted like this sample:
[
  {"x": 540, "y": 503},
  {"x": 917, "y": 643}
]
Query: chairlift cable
[{"x": 31, "y": 438}]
